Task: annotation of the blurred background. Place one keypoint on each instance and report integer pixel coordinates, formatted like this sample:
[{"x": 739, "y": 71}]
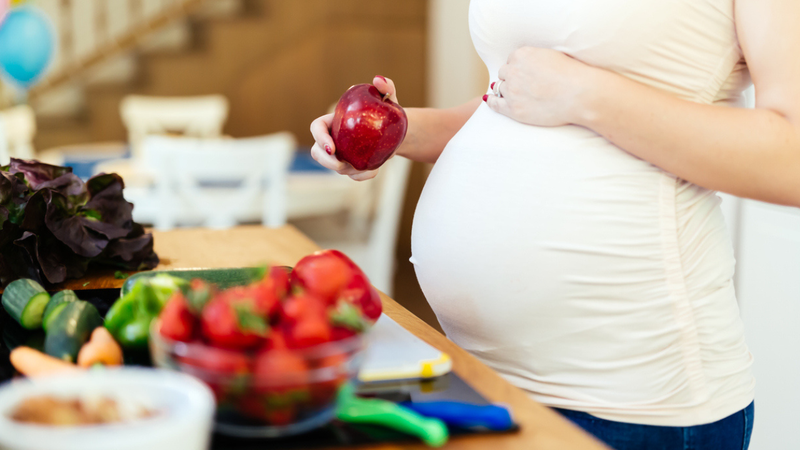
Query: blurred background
[
  {"x": 235, "y": 77},
  {"x": 142, "y": 87}
]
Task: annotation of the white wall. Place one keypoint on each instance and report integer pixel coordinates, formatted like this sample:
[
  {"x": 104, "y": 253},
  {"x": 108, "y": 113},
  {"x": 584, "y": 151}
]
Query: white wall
[
  {"x": 766, "y": 241},
  {"x": 455, "y": 72}
]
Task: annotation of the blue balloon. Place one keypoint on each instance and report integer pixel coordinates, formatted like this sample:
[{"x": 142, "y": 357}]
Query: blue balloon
[{"x": 26, "y": 45}]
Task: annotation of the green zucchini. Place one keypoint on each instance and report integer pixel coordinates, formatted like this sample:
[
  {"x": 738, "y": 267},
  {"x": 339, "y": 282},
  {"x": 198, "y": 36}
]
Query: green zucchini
[
  {"x": 25, "y": 301},
  {"x": 58, "y": 299},
  {"x": 70, "y": 329}
]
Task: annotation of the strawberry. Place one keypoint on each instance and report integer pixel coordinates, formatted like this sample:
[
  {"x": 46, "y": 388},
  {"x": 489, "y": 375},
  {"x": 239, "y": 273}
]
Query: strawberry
[
  {"x": 280, "y": 368},
  {"x": 281, "y": 378},
  {"x": 298, "y": 306},
  {"x": 267, "y": 295},
  {"x": 348, "y": 315},
  {"x": 231, "y": 321},
  {"x": 228, "y": 371},
  {"x": 279, "y": 276},
  {"x": 281, "y": 416},
  {"x": 360, "y": 293},
  {"x": 335, "y": 366},
  {"x": 339, "y": 333},
  {"x": 177, "y": 321},
  {"x": 251, "y": 406},
  {"x": 310, "y": 330},
  {"x": 332, "y": 276},
  {"x": 276, "y": 340},
  {"x": 323, "y": 274}
]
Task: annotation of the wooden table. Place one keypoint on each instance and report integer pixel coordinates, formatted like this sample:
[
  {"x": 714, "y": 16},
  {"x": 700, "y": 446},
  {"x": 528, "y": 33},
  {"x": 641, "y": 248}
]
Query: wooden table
[{"x": 541, "y": 428}]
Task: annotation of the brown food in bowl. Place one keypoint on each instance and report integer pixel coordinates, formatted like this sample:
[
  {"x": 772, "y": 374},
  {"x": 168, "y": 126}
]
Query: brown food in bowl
[{"x": 49, "y": 410}]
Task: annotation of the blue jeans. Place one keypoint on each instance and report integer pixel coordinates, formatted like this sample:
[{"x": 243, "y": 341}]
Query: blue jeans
[{"x": 730, "y": 433}]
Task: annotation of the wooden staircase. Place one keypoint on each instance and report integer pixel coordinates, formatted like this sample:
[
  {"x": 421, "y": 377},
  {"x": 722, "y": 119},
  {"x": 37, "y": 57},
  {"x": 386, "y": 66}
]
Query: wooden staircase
[{"x": 280, "y": 63}]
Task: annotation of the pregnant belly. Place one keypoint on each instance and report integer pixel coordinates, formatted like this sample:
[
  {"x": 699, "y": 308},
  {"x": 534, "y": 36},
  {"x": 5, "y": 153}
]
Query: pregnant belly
[{"x": 536, "y": 246}]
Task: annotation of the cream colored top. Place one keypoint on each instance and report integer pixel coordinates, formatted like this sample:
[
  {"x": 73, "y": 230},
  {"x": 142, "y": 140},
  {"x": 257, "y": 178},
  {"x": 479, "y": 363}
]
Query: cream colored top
[{"x": 584, "y": 275}]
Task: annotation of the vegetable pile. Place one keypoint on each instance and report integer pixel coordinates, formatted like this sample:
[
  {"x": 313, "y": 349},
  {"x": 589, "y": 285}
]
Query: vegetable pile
[
  {"x": 74, "y": 332},
  {"x": 276, "y": 350},
  {"x": 53, "y": 226}
]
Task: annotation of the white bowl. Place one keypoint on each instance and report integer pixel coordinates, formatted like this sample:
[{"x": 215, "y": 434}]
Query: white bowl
[{"x": 184, "y": 410}]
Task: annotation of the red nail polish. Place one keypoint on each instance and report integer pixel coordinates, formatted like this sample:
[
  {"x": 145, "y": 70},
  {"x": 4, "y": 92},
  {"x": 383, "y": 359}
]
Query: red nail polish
[
  {"x": 328, "y": 149},
  {"x": 491, "y": 86},
  {"x": 382, "y": 78},
  {"x": 485, "y": 96}
]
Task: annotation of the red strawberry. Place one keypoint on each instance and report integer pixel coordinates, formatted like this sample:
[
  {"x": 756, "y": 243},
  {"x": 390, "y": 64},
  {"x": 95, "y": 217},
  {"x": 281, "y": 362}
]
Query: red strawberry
[
  {"x": 335, "y": 365},
  {"x": 220, "y": 361},
  {"x": 225, "y": 367},
  {"x": 278, "y": 373},
  {"x": 310, "y": 330},
  {"x": 360, "y": 293},
  {"x": 279, "y": 276},
  {"x": 267, "y": 296},
  {"x": 251, "y": 406},
  {"x": 339, "y": 333},
  {"x": 348, "y": 315},
  {"x": 299, "y": 306},
  {"x": 177, "y": 321},
  {"x": 232, "y": 322},
  {"x": 324, "y": 274},
  {"x": 372, "y": 305},
  {"x": 276, "y": 340},
  {"x": 281, "y": 416}
]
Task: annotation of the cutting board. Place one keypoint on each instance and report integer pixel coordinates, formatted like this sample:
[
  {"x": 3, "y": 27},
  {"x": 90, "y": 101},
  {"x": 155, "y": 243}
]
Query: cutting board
[{"x": 394, "y": 353}]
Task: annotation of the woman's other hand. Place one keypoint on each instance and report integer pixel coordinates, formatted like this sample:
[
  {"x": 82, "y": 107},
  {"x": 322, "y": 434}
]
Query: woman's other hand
[
  {"x": 324, "y": 151},
  {"x": 540, "y": 87}
]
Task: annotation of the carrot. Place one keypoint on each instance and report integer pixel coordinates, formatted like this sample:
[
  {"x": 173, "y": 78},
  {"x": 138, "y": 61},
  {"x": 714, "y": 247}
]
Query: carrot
[
  {"x": 101, "y": 348},
  {"x": 33, "y": 363}
]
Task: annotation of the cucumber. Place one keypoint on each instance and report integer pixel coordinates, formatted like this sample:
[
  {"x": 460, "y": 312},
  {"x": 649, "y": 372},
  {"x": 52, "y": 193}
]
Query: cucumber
[
  {"x": 48, "y": 319},
  {"x": 70, "y": 329},
  {"x": 25, "y": 301},
  {"x": 53, "y": 306}
]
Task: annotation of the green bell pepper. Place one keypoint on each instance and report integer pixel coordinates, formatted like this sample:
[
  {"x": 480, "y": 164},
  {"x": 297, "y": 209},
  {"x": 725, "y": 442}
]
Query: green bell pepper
[{"x": 129, "y": 318}]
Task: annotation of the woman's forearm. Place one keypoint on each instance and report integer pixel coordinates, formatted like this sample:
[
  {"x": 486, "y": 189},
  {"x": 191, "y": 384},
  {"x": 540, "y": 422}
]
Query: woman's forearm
[
  {"x": 745, "y": 152},
  {"x": 430, "y": 129}
]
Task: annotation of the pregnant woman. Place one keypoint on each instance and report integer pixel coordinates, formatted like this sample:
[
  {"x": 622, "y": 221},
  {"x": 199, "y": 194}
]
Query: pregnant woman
[{"x": 570, "y": 236}]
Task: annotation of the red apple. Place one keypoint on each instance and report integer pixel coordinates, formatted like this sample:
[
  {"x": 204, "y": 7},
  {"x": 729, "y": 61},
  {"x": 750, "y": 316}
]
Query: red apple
[{"x": 367, "y": 128}]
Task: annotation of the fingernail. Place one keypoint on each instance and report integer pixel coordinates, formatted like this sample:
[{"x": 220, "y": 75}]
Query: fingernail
[
  {"x": 382, "y": 78},
  {"x": 328, "y": 149},
  {"x": 485, "y": 96},
  {"x": 491, "y": 86}
]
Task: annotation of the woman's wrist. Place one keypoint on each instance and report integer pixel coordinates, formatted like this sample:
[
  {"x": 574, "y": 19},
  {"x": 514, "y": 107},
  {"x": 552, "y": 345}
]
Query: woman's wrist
[
  {"x": 406, "y": 148},
  {"x": 430, "y": 129},
  {"x": 591, "y": 97}
]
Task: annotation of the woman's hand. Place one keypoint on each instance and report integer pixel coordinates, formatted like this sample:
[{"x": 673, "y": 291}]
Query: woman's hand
[
  {"x": 540, "y": 87},
  {"x": 324, "y": 150}
]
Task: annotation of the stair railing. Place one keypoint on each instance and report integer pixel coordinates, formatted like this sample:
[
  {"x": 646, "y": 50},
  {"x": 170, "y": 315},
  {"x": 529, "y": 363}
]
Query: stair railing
[{"x": 92, "y": 31}]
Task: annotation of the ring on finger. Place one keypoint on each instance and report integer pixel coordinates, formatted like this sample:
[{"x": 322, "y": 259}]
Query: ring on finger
[{"x": 496, "y": 89}]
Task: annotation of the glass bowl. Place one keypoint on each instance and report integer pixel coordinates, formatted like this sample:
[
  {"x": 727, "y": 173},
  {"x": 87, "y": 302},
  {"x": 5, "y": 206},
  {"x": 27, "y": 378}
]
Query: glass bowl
[{"x": 265, "y": 394}]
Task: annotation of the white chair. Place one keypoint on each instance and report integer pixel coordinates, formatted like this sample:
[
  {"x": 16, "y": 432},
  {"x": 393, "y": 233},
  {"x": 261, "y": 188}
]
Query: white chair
[
  {"x": 379, "y": 204},
  {"x": 17, "y": 129},
  {"x": 218, "y": 183},
  {"x": 202, "y": 117}
]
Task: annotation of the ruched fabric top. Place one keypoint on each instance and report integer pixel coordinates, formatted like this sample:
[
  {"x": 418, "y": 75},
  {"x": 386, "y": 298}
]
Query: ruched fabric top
[{"x": 586, "y": 276}]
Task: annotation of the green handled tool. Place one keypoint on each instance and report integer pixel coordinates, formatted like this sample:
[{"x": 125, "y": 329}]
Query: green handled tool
[{"x": 353, "y": 409}]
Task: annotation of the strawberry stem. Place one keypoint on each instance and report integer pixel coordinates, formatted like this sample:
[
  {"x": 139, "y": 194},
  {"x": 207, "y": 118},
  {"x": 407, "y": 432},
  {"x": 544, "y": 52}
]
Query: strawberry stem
[{"x": 249, "y": 320}]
